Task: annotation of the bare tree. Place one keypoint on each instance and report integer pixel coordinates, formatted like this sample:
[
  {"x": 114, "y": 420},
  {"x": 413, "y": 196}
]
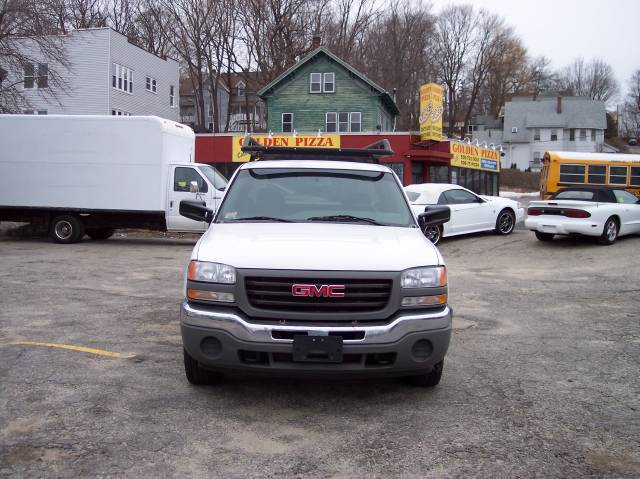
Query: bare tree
[
  {"x": 407, "y": 31},
  {"x": 631, "y": 109},
  {"x": 594, "y": 79},
  {"x": 28, "y": 56},
  {"x": 347, "y": 23}
]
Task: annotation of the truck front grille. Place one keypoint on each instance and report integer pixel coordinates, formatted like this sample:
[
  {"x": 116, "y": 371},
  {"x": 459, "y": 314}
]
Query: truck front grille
[{"x": 360, "y": 295}]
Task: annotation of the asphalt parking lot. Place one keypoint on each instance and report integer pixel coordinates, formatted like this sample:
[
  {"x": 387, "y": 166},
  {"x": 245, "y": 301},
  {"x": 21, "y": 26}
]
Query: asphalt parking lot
[{"x": 541, "y": 379}]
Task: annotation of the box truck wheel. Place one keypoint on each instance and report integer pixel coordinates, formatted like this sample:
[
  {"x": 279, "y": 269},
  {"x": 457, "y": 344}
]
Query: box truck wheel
[
  {"x": 99, "y": 234},
  {"x": 66, "y": 229}
]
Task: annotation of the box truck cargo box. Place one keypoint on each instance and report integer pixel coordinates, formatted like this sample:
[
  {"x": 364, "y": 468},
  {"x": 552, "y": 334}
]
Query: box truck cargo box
[{"x": 92, "y": 174}]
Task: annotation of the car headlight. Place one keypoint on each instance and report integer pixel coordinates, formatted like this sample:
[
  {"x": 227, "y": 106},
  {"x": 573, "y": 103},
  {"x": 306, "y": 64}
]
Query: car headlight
[
  {"x": 211, "y": 272},
  {"x": 427, "y": 277}
]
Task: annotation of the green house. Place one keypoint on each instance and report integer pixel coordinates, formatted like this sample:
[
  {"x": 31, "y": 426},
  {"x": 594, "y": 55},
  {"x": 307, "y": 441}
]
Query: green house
[{"x": 323, "y": 93}]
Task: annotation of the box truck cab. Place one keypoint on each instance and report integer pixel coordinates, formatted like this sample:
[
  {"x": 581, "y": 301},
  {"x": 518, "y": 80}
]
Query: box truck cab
[{"x": 93, "y": 174}]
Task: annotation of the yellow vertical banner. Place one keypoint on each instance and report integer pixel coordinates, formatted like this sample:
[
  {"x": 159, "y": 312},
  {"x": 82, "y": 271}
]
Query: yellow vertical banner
[{"x": 431, "y": 112}]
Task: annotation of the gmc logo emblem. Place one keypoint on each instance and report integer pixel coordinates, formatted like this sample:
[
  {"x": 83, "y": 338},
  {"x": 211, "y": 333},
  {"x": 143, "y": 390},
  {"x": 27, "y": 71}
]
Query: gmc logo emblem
[{"x": 318, "y": 291}]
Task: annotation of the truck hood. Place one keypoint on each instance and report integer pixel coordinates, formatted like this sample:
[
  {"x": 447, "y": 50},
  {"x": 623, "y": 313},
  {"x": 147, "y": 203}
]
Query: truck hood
[{"x": 316, "y": 246}]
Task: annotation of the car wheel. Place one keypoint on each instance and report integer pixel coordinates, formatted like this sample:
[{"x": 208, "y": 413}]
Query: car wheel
[
  {"x": 433, "y": 233},
  {"x": 197, "y": 375},
  {"x": 610, "y": 232},
  {"x": 99, "y": 234},
  {"x": 544, "y": 236},
  {"x": 428, "y": 380},
  {"x": 506, "y": 222},
  {"x": 66, "y": 229}
]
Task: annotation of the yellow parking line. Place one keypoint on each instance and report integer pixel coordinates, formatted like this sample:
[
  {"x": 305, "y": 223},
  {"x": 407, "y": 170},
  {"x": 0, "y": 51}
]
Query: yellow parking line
[{"x": 99, "y": 352}]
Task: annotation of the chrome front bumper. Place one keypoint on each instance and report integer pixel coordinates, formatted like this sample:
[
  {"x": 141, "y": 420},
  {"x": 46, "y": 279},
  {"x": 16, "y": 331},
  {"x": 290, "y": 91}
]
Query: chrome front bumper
[{"x": 404, "y": 323}]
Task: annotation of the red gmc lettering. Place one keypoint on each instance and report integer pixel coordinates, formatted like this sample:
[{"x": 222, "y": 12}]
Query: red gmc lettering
[{"x": 318, "y": 291}]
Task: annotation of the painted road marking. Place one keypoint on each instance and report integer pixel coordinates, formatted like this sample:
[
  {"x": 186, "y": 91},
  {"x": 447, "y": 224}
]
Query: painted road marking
[{"x": 99, "y": 352}]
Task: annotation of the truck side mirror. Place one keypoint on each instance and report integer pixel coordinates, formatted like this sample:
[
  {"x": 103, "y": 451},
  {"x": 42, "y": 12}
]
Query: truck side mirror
[
  {"x": 196, "y": 210},
  {"x": 193, "y": 187},
  {"x": 434, "y": 215}
]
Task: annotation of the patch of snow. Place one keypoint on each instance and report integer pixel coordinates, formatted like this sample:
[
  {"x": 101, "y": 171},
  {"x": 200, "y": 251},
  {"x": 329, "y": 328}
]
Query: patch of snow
[{"x": 516, "y": 194}]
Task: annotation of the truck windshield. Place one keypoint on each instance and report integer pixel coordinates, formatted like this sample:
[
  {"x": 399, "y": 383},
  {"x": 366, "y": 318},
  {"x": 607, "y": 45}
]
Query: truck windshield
[
  {"x": 307, "y": 195},
  {"x": 218, "y": 181}
]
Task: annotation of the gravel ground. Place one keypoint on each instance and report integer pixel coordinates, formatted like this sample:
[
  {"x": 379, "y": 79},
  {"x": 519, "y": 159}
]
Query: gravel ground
[{"x": 544, "y": 384}]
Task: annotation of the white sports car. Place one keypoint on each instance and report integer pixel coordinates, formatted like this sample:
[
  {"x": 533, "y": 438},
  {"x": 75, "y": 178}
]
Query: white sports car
[
  {"x": 470, "y": 213},
  {"x": 593, "y": 211}
]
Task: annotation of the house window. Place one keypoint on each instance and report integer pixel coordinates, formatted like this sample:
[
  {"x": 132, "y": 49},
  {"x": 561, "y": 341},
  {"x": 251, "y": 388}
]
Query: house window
[
  {"x": 172, "y": 96},
  {"x": 554, "y": 135},
  {"x": 593, "y": 135},
  {"x": 343, "y": 121},
  {"x": 241, "y": 89},
  {"x": 122, "y": 78},
  {"x": 572, "y": 134},
  {"x": 597, "y": 174},
  {"x": 151, "y": 85},
  {"x": 618, "y": 175},
  {"x": 355, "y": 121},
  {"x": 315, "y": 83},
  {"x": 572, "y": 173},
  {"x": 33, "y": 80},
  {"x": 331, "y": 122},
  {"x": 287, "y": 122},
  {"x": 583, "y": 134},
  {"x": 536, "y": 134},
  {"x": 329, "y": 85},
  {"x": 536, "y": 159},
  {"x": 470, "y": 129}
]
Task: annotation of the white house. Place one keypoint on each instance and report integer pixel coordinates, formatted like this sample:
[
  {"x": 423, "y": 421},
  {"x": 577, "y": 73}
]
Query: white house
[
  {"x": 105, "y": 75},
  {"x": 532, "y": 126}
]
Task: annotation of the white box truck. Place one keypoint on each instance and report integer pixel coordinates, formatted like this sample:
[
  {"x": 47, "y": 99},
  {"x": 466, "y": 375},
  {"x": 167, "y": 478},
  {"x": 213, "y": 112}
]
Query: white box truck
[{"x": 93, "y": 174}]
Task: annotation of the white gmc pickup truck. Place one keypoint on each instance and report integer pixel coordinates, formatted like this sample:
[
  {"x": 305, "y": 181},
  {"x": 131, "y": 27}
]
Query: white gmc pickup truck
[{"x": 315, "y": 266}]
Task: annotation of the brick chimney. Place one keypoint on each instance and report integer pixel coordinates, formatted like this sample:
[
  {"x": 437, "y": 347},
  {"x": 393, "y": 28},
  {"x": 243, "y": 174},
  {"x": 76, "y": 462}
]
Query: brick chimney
[
  {"x": 315, "y": 42},
  {"x": 559, "y": 105}
]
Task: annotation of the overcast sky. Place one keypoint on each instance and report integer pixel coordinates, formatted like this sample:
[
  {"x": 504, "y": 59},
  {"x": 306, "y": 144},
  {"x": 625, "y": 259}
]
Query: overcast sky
[{"x": 565, "y": 29}]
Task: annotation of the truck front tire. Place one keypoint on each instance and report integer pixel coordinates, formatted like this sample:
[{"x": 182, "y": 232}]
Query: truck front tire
[
  {"x": 428, "y": 380},
  {"x": 66, "y": 229},
  {"x": 197, "y": 375},
  {"x": 100, "y": 234}
]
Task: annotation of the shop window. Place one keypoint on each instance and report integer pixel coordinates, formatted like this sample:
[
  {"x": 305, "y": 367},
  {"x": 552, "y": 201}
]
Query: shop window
[
  {"x": 618, "y": 175},
  {"x": 417, "y": 172},
  {"x": 398, "y": 169},
  {"x": 572, "y": 173},
  {"x": 597, "y": 174},
  {"x": 438, "y": 174}
]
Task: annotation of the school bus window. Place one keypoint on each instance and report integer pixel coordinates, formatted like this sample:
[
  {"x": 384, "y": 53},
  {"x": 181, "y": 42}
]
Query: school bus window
[
  {"x": 635, "y": 176},
  {"x": 572, "y": 173},
  {"x": 618, "y": 175},
  {"x": 597, "y": 174}
]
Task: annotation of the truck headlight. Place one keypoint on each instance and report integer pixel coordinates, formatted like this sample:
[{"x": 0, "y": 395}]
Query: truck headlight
[
  {"x": 211, "y": 272},
  {"x": 427, "y": 277}
]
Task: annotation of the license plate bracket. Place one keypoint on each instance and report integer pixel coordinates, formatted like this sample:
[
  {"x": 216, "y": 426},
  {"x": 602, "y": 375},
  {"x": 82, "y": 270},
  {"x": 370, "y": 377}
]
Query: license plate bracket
[{"x": 317, "y": 349}]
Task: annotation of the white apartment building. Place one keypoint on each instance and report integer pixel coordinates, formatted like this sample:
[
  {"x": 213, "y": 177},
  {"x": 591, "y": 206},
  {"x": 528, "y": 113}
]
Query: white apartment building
[
  {"x": 531, "y": 126},
  {"x": 105, "y": 75}
]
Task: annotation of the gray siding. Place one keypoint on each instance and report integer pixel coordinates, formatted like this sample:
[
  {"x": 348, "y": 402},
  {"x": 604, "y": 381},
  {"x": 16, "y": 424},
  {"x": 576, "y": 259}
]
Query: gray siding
[
  {"x": 84, "y": 92},
  {"x": 143, "y": 64}
]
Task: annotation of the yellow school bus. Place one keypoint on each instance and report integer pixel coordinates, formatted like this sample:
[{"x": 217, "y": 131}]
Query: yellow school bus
[{"x": 569, "y": 168}]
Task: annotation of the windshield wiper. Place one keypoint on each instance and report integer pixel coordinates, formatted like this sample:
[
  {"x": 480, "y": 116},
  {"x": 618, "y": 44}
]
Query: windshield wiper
[
  {"x": 261, "y": 218},
  {"x": 345, "y": 218}
]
